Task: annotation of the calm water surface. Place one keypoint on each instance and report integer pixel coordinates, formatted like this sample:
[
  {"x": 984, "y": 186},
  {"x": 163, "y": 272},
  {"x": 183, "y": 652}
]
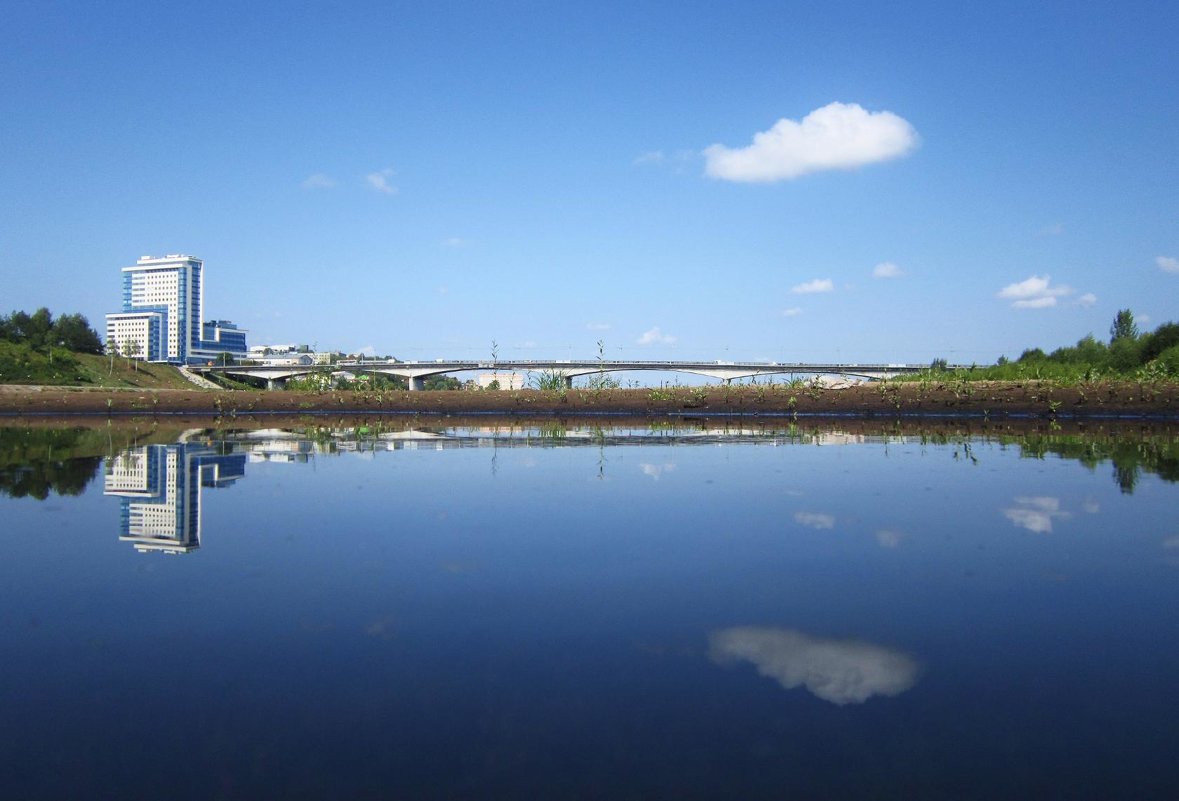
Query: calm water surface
[{"x": 552, "y": 613}]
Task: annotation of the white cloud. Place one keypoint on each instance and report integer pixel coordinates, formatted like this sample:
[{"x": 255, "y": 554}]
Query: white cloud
[
  {"x": 1056, "y": 229},
  {"x": 318, "y": 181},
  {"x": 650, "y": 157},
  {"x": 1168, "y": 264},
  {"x": 380, "y": 181},
  {"x": 598, "y": 326},
  {"x": 1035, "y": 292},
  {"x": 889, "y": 538},
  {"x": 793, "y": 311},
  {"x": 656, "y": 470},
  {"x": 1171, "y": 543},
  {"x": 811, "y": 287},
  {"x": 655, "y": 337},
  {"x": 816, "y": 520},
  {"x": 454, "y": 242},
  {"x": 838, "y": 136},
  {"x": 1035, "y": 514},
  {"x": 367, "y": 350},
  {"x": 839, "y": 671},
  {"x": 1087, "y": 300},
  {"x": 886, "y": 269}
]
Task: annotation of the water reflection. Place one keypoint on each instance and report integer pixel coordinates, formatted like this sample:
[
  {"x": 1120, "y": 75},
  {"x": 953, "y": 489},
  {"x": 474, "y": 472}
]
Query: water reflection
[
  {"x": 1035, "y": 514},
  {"x": 160, "y": 491},
  {"x": 839, "y": 671}
]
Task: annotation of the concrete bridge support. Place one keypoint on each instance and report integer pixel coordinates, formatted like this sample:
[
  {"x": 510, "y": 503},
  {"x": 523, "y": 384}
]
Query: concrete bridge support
[
  {"x": 275, "y": 383},
  {"x": 416, "y": 382}
]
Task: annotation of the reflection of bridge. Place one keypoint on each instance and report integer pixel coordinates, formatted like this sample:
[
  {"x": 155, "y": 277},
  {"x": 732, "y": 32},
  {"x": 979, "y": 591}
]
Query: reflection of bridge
[{"x": 416, "y": 372}]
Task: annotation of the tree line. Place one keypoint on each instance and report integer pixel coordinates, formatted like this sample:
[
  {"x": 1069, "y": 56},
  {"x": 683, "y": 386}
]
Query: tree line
[
  {"x": 41, "y": 331},
  {"x": 1128, "y": 350}
]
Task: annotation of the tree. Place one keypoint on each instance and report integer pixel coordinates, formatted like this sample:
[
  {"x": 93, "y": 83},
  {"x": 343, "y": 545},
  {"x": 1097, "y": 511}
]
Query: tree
[
  {"x": 131, "y": 351},
  {"x": 1123, "y": 327},
  {"x": 73, "y": 331},
  {"x": 1164, "y": 337},
  {"x": 112, "y": 350}
]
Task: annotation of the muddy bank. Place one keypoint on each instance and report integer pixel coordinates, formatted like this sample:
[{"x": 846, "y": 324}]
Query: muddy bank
[{"x": 993, "y": 401}]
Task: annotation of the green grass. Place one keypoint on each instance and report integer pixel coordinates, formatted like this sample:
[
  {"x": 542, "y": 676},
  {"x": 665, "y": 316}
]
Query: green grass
[{"x": 20, "y": 364}]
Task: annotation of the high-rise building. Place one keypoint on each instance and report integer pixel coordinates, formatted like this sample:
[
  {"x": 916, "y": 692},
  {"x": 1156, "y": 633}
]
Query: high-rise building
[{"x": 163, "y": 301}]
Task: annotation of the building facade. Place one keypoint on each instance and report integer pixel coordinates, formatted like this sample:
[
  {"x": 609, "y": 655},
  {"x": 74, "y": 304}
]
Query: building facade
[{"x": 163, "y": 304}]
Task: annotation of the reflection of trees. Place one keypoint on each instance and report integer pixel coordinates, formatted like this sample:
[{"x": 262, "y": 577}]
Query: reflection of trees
[
  {"x": 64, "y": 477},
  {"x": 1156, "y": 454},
  {"x": 35, "y": 462}
]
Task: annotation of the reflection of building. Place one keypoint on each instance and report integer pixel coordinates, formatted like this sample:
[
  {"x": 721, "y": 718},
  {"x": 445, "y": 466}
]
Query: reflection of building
[{"x": 160, "y": 487}]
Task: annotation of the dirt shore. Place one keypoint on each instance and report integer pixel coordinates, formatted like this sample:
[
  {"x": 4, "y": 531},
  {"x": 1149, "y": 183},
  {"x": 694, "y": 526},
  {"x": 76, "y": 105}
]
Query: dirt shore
[{"x": 997, "y": 401}]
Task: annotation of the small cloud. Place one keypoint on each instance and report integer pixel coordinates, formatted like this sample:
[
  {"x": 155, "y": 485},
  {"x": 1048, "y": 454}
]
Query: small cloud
[
  {"x": 1035, "y": 292},
  {"x": 1145, "y": 319},
  {"x": 1171, "y": 543},
  {"x": 1035, "y": 514},
  {"x": 840, "y": 671},
  {"x": 367, "y": 350},
  {"x": 1087, "y": 300},
  {"x": 454, "y": 242},
  {"x": 1056, "y": 229},
  {"x": 443, "y": 290},
  {"x": 815, "y": 520},
  {"x": 598, "y": 326},
  {"x": 656, "y": 470},
  {"x": 886, "y": 269},
  {"x": 318, "y": 181},
  {"x": 889, "y": 538},
  {"x": 838, "y": 136},
  {"x": 811, "y": 287},
  {"x": 1168, "y": 264},
  {"x": 380, "y": 181},
  {"x": 793, "y": 311},
  {"x": 655, "y": 337},
  {"x": 1091, "y": 506},
  {"x": 650, "y": 157}
]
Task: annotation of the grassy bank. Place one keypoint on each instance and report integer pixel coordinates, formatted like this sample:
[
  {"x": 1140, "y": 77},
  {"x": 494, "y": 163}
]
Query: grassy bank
[{"x": 953, "y": 397}]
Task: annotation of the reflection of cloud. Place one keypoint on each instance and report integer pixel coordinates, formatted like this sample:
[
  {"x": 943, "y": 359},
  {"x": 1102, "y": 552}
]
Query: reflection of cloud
[
  {"x": 1171, "y": 543},
  {"x": 1035, "y": 514},
  {"x": 656, "y": 470},
  {"x": 839, "y": 671},
  {"x": 814, "y": 520},
  {"x": 889, "y": 538},
  {"x": 1091, "y": 506}
]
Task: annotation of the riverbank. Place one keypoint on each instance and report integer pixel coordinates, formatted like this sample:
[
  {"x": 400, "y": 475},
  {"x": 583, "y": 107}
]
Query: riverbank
[{"x": 992, "y": 400}]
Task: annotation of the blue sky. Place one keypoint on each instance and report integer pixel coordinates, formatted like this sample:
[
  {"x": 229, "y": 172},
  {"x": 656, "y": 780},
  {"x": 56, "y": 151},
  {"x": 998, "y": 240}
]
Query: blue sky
[{"x": 780, "y": 181}]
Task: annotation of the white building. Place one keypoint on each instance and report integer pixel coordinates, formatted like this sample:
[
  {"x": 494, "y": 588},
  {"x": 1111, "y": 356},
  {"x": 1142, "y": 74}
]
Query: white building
[
  {"x": 163, "y": 303},
  {"x": 507, "y": 381}
]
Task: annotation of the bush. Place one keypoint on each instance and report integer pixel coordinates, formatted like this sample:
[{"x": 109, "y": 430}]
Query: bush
[{"x": 1168, "y": 361}]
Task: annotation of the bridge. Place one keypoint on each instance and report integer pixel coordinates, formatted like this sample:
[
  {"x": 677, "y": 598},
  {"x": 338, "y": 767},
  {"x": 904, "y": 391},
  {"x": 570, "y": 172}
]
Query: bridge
[{"x": 416, "y": 372}]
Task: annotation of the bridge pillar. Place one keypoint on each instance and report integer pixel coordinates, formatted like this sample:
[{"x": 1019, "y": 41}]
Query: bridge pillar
[
  {"x": 275, "y": 383},
  {"x": 416, "y": 382}
]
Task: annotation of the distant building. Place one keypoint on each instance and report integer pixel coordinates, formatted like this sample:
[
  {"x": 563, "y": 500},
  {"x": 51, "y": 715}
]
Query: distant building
[
  {"x": 505, "y": 380},
  {"x": 163, "y": 303}
]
